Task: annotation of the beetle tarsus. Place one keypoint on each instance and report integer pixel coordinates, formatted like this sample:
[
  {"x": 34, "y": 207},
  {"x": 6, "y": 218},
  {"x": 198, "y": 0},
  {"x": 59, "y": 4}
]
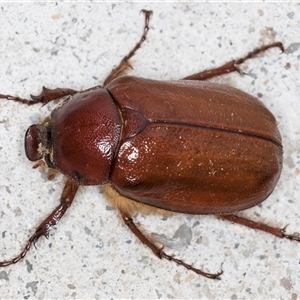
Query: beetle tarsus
[
  {"x": 124, "y": 64},
  {"x": 43, "y": 229},
  {"x": 257, "y": 51},
  {"x": 20, "y": 256},
  {"x": 279, "y": 232},
  {"x": 17, "y": 99},
  {"x": 190, "y": 267},
  {"x": 158, "y": 251},
  {"x": 232, "y": 65}
]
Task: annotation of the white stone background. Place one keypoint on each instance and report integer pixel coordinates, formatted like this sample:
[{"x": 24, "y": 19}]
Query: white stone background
[{"x": 91, "y": 254}]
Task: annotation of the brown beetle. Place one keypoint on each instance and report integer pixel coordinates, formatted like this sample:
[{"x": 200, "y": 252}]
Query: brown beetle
[{"x": 186, "y": 146}]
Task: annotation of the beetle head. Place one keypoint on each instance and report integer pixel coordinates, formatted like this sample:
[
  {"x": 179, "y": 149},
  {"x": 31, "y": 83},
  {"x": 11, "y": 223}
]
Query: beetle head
[{"x": 38, "y": 145}]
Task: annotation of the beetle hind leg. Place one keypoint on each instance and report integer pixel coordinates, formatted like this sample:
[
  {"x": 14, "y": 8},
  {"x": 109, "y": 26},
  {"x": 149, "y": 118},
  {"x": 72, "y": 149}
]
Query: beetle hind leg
[
  {"x": 67, "y": 197},
  {"x": 279, "y": 232},
  {"x": 232, "y": 66},
  {"x": 158, "y": 251}
]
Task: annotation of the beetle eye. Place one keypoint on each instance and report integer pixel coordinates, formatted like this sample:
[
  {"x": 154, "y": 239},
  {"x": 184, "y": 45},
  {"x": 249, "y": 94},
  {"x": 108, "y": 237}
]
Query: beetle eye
[{"x": 33, "y": 139}]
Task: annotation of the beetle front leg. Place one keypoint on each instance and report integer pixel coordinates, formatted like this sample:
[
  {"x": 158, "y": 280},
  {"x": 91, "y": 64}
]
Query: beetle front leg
[
  {"x": 279, "y": 232},
  {"x": 47, "y": 95},
  {"x": 232, "y": 65},
  {"x": 67, "y": 198},
  {"x": 124, "y": 64},
  {"x": 159, "y": 251}
]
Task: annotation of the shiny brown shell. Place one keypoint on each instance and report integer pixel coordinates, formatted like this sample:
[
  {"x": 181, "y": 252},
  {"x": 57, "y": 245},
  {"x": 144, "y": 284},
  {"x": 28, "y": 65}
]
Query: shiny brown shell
[{"x": 194, "y": 147}]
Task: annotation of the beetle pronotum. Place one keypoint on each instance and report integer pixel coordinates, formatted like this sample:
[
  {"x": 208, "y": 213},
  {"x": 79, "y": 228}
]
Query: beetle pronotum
[{"x": 187, "y": 146}]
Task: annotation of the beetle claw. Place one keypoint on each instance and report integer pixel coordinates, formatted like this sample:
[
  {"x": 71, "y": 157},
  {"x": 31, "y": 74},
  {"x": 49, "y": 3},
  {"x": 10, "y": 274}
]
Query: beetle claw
[
  {"x": 34, "y": 240},
  {"x": 240, "y": 71},
  {"x": 292, "y": 237}
]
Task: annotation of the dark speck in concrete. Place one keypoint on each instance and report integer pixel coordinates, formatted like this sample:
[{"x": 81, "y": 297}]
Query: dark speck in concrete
[
  {"x": 3, "y": 275},
  {"x": 159, "y": 295},
  {"x": 33, "y": 286},
  {"x": 286, "y": 283},
  {"x": 292, "y": 48},
  {"x": 87, "y": 230},
  {"x": 29, "y": 266},
  {"x": 71, "y": 286}
]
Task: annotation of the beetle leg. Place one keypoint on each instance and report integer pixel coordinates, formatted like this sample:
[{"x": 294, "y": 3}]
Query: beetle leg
[
  {"x": 232, "y": 65},
  {"x": 48, "y": 95},
  {"x": 67, "y": 197},
  {"x": 158, "y": 251},
  {"x": 17, "y": 99},
  {"x": 124, "y": 64},
  {"x": 44, "y": 97},
  {"x": 279, "y": 232}
]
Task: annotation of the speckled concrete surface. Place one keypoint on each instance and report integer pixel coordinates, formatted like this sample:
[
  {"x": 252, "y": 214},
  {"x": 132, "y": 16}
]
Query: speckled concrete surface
[{"x": 91, "y": 254}]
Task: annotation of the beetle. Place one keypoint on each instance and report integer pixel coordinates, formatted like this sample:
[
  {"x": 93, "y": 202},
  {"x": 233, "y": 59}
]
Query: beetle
[{"x": 186, "y": 146}]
